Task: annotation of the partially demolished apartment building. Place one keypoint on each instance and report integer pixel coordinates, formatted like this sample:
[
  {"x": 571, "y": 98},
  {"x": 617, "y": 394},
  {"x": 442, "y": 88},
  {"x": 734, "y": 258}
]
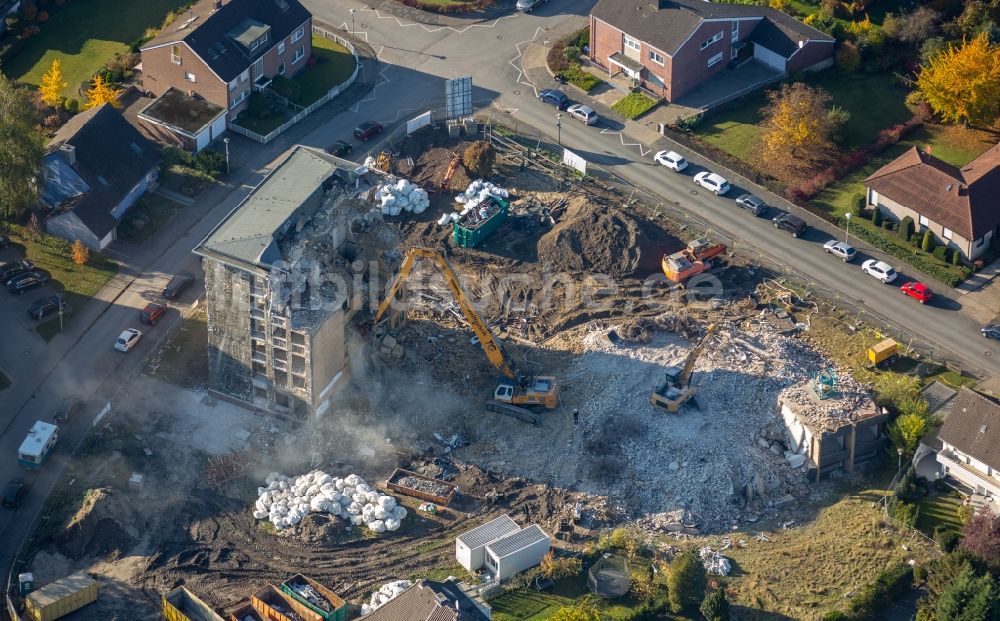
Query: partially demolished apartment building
[{"x": 284, "y": 273}]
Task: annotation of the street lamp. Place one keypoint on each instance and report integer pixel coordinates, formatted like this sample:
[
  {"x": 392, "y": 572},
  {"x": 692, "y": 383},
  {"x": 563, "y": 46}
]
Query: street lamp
[
  {"x": 226, "y": 142},
  {"x": 899, "y": 465},
  {"x": 559, "y": 129},
  {"x": 353, "y": 11},
  {"x": 847, "y": 234}
]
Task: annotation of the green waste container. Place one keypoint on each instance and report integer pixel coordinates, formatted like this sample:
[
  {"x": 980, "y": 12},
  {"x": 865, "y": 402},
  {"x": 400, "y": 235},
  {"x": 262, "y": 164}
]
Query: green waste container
[{"x": 467, "y": 237}]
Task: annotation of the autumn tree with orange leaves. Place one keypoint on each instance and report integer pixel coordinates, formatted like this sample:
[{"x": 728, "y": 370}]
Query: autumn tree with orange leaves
[
  {"x": 798, "y": 128},
  {"x": 101, "y": 93},
  {"x": 962, "y": 83}
]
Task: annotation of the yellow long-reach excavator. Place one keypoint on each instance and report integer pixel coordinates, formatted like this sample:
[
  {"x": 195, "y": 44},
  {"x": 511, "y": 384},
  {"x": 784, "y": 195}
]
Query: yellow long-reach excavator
[
  {"x": 516, "y": 395},
  {"x": 677, "y": 390}
]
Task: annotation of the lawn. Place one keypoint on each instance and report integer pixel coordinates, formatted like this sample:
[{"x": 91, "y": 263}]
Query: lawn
[
  {"x": 76, "y": 283},
  {"x": 4, "y": 380},
  {"x": 184, "y": 358},
  {"x": 874, "y": 101},
  {"x": 532, "y": 605},
  {"x": 84, "y": 36},
  {"x": 266, "y": 125},
  {"x": 334, "y": 65},
  {"x": 800, "y": 573},
  {"x": 939, "y": 510},
  {"x": 146, "y": 217}
]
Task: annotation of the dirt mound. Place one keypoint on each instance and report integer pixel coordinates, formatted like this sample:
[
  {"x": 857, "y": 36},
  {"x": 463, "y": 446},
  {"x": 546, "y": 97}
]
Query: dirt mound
[
  {"x": 101, "y": 527},
  {"x": 599, "y": 239}
]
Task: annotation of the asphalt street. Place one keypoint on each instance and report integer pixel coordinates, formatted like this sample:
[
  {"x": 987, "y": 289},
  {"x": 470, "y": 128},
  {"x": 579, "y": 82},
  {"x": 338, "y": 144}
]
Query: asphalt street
[{"x": 416, "y": 60}]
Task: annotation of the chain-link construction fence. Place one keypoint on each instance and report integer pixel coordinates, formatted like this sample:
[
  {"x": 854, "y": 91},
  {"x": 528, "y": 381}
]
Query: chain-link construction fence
[{"x": 535, "y": 149}]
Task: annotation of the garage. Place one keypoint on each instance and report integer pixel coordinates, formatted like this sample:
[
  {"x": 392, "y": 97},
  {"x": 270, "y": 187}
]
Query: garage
[{"x": 769, "y": 58}]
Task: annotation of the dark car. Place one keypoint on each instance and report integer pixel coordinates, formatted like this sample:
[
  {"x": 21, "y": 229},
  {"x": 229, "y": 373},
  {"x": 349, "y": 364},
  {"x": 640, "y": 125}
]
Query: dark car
[
  {"x": 752, "y": 204},
  {"x": 152, "y": 313},
  {"x": 178, "y": 284},
  {"x": 4, "y": 241},
  {"x": 793, "y": 224},
  {"x": 68, "y": 409},
  {"x": 26, "y": 282},
  {"x": 992, "y": 331},
  {"x": 340, "y": 148},
  {"x": 45, "y": 306},
  {"x": 14, "y": 493},
  {"x": 366, "y": 130},
  {"x": 14, "y": 268},
  {"x": 554, "y": 97}
]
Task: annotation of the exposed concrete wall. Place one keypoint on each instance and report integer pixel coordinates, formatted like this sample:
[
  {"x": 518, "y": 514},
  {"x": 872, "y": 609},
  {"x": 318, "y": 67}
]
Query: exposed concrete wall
[
  {"x": 230, "y": 362},
  {"x": 328, "y": 355}
]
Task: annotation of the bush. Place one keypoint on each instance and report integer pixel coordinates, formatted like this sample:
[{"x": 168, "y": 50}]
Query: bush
[
  {"x": 904, "y": 512},
  {"x": 946, "y": 539},
  {"x": 71, "y": 105},
  {"x": 888, "y": 586},
  {"x": 920, "y": 573},
  {"x": 583, "y": 38},
  {"x": 572, "y": 53},
  {"x": 210, "y": 162},
  {"x": 479, "y": 158},
  {"x": 858, "y": 203},
  {"x": 715, "y": 607},
  {"x": 906, "y": 228},
  {"x": 927, "y": 243},
  {"x": 634, "y": 105},
  {"x": 941, "y": 253},
  {"x": 956, "y": 257},
  {"x": 877, "y": 217},
  {"x": 556, "y": 59},
  {"x": 580, "y": 78}
]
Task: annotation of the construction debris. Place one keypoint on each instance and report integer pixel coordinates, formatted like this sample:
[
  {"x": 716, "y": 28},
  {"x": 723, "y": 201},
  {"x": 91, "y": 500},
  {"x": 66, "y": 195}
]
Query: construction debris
[
  {"x": 396, "y": 196},
  {"x": 385, "y": 593},
  {"x": 715, "y": 563},
  {"x": 285, "y": 501}
]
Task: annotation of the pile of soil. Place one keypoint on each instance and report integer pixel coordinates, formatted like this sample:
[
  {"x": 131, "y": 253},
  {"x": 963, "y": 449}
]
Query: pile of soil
[
  {"x": 102, "y": 527},
  {"x": 598, "y": 239}
]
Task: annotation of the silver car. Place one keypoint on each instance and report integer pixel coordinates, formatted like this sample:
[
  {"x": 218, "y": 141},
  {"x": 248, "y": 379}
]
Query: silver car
[
  {"x": 584, "y": 113},
  {"x": 840, "y": 249}
]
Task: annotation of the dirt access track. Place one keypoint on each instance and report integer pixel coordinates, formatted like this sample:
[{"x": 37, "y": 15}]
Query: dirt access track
[{"x": 570, "y": 283}]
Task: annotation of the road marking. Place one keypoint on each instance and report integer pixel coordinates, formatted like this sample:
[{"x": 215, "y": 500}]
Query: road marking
[
  {"x": 383, "y": 67},
  {"x": 519, "y": 66},
  {"x": 379, "y": 15},
  {"x": 621, "y": 136}
]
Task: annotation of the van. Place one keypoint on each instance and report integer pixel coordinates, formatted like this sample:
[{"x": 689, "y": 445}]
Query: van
[{"x": 177, "y": 284}]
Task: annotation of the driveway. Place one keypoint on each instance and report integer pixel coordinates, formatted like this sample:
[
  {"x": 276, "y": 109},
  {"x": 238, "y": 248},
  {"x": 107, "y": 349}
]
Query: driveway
[{"x": 22, "y": 346}]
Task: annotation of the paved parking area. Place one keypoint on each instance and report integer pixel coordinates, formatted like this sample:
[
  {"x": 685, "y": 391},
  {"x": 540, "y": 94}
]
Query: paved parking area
[{"x": 21, "y": 344}]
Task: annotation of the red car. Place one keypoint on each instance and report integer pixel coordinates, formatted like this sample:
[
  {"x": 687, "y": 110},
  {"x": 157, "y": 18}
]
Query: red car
[{"x": 918, "y": 291}]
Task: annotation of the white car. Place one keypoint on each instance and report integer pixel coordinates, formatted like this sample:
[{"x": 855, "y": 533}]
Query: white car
[
  {"x": 671, "y": 159},
  {"x": 840, "y": 249},
  {"x": 128, "y": 339},
  {"x": 711, "y": 181},
  {"x": 584, "y": 113},
  {"x": 879, "y": 269}
]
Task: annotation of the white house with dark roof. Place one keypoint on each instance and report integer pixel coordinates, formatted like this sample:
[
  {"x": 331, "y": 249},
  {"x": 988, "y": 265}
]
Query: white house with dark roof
[
  {"x": 95, "y": 169},
  {"x": 470, "y": 547}
]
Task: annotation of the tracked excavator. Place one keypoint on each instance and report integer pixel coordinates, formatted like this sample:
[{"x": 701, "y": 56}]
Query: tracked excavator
[
  {"x": 677, "y": 390},
  {"x": 520, "y": 396}
]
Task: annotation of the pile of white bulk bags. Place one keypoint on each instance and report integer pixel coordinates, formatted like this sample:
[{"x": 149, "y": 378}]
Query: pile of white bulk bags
[
  {"x": 285, "y": 501},
  {"x": 384, "y": 594},
  {"x": 402, "y": 195}
]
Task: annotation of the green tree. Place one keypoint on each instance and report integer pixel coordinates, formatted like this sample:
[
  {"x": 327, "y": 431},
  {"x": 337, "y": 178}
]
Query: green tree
[
  {"x": 969, "y": 598},
  {"x": 21, "y": 149},
  {"x": 906, "y": 228},
  {"x": 715, "y": 607},
  {"x": 906, "y": 431},
  {"x": 877, "y": 216},
  {"x": 686, "y": 582},
  {"x": 927, "y": 244},
  {"x": 962, "y": 84}
]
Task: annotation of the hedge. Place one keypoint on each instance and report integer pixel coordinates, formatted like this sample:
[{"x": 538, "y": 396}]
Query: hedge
[
  {"x": 475, "y": 5},
  {"x": 944, "y": 274}
]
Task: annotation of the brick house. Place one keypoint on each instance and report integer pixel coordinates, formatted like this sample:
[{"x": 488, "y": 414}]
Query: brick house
[
  {"x": 958, "y": 205},
  {"x": 219, "y": 52},
  {"x": 672, "y": 46}
]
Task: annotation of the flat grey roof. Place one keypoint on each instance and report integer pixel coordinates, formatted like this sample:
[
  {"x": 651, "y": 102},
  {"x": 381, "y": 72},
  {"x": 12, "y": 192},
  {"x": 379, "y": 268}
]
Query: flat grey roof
[
  {"x": 248, "y": 31},
  {"x": 490, "y": 531},
  {"x": 517, "y": 541},
  {"x": 251, "y": 232},
  {"x": 177, "y": 109}
]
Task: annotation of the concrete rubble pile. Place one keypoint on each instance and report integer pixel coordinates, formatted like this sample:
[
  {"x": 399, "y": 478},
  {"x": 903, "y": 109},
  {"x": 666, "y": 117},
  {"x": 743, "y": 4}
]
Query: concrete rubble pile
[
  {"x": 397, "y": 196},
  {"x": 285, "y": 501},
  {"x": 714, "y": 563},
  {"x": 423, "y": 485},
  {"x": 849, "y": 402},
  {"x": 384, "y": 595}
]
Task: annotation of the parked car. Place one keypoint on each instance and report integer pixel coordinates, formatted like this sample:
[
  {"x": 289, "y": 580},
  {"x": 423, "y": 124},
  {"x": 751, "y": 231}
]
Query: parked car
[
  {"x": 128, "y": 339},
  {"x": 340, "y": 148},
  {"x": 554, "y": 97},
  {"x": 671, "y": 159},
  {"x": 879, "y": 269},
  {"x": 791, "y": 223},
  {"x": 752, "y": 204},
  {"x": 845, "y": 251},
  {"x": 991, "y": 331},
  {"x": 711, "y": 181},
  {"x": 152, "y": 313},
  {"x": 177, "y": 285},
  {"x": 918, "y": 291},
  {"x": 45, "y": 306},
  {"x": 14, "y": 492},
  {"x": 14, "y": 268},
  {"x": 584, "y": 113},
  {"x": 68, "y": 409},
  {"x": 27, "y": 281},
  {"x": 367, "y": 129},
  {"x": 528, "y": 5}
]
